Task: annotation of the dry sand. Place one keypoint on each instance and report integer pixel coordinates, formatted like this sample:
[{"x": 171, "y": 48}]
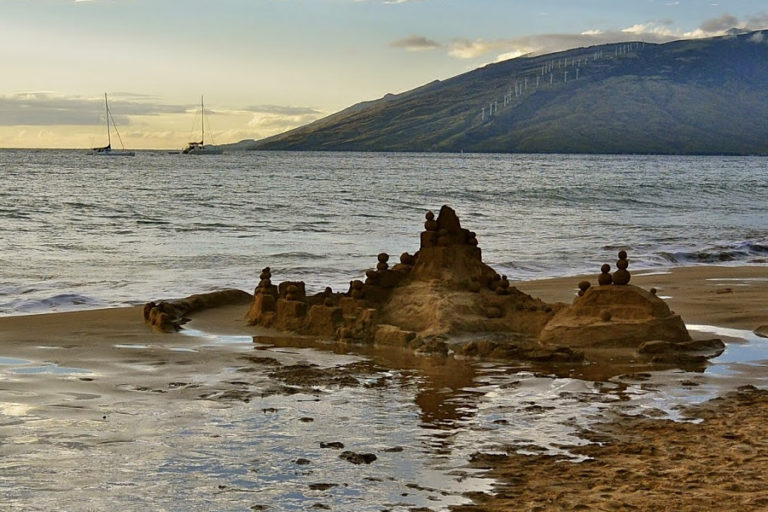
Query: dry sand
[{"x": 720, "y": 463}]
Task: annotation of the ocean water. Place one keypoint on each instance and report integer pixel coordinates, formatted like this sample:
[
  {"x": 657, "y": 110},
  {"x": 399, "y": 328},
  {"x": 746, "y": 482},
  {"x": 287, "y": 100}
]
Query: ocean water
[{"x": 79, "y": 231}]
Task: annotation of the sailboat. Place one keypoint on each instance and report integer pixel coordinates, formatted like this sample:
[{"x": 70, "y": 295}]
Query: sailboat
[
  {"x": 107, "y": 150},
  {"x": 199, "y": 148}
]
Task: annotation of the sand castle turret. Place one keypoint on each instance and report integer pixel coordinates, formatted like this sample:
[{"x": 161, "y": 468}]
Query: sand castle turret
[
  {"x": 451, "y": 253},
  {"x": 264, "y": 298}
]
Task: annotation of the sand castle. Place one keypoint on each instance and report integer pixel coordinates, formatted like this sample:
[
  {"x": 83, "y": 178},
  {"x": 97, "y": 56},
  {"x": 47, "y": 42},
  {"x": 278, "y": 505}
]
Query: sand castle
[
  {"x": 445, "y": 290},
  {"x": 443, "y": 297}
]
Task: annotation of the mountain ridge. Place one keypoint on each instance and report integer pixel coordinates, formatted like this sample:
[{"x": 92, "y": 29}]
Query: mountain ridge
[{"x": 698, "y": 96}]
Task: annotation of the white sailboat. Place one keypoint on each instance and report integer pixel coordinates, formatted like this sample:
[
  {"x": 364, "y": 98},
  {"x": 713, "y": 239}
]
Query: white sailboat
[
  {"x": 199, "y": 148},
  {"x": 107, "y": 150}
]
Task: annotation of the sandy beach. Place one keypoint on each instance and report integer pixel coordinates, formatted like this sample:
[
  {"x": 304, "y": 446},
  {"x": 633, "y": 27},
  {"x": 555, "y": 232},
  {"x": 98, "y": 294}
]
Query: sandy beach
[{"x": 103, "y": 363}]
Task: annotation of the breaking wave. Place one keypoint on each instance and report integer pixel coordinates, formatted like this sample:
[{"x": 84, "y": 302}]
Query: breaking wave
[{"x": 744, "y": 252}]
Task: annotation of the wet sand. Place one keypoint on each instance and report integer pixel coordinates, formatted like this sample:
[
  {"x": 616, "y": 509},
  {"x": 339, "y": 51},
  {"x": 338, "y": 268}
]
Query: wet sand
[
  {"x": 716, "y": 460},
  {"x": 719, "y": 463},
  {"x": 647, "y": 465}
]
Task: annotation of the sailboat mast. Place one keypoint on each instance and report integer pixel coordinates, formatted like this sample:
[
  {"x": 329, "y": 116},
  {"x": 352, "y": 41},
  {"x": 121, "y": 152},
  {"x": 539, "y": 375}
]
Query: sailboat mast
[
  {"x": 202, "y": 122},
  {"x": 106, "y": 108}
]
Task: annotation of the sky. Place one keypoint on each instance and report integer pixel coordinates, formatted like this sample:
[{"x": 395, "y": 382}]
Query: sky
[{"x": 266, "y": 66}]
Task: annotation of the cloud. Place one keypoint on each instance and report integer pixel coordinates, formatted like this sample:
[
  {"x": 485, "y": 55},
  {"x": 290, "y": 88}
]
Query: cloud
[
  {"x": 655, "y": 29},
  {"x": 467, "y": 49},
  {"x": 143, "y": 120},
  {"x": 272, "y": 119},
  {"x": 757, "y": 22},
  {"x": 722, "y": 23},
  {"x": 658, "y": 31},
  {"x": 283, "y": 110},
  {"x": 45, "y": 108},
  {"x": 510, "y": 55},
  {"x": 727, "y": 24},
  {"x": 415, "y": 44},
  {"x": 548, "y": 43}
]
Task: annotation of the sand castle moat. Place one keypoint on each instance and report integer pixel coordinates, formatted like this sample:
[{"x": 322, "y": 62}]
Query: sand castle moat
[{"x": 445, "y": 298}]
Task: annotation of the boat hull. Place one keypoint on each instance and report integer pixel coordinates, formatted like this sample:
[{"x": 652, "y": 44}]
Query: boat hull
[
  {"x": 114, "y": 153},
  {"x": 203, "y": 151}
]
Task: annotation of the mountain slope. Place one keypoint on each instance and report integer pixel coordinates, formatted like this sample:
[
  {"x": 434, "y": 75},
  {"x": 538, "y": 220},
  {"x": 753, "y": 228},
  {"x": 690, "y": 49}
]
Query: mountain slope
[{"x": 706, "y": 96}]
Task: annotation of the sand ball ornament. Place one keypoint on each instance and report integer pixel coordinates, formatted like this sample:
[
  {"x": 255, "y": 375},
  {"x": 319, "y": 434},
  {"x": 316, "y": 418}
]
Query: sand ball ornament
[
  {"x": 382, "y": 263},
  {"x": 605, "y": 277},
  {"x": 431, "y": 223},
  {"x": 583, "y": 287},
  {"x": 622, "y": 276},
  {"x": 503, "y": 286},
  {"x": 407, "y": 259}
]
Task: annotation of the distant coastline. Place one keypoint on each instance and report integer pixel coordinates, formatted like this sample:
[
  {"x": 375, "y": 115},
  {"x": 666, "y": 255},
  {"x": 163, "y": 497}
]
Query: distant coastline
[{"x": 238, "y": 147}]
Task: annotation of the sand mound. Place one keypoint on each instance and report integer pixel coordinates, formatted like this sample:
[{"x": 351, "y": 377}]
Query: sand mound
[{"x": 614, "y": 316}]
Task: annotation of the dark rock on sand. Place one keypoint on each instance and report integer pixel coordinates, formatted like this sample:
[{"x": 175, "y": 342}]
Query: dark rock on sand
[
  {"x": 358, "y": 458},
  {"x": 322, "y": 486},
  {"x": 713, "y": 347}
]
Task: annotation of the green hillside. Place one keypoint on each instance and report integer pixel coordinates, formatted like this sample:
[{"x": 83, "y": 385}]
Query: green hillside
[{"x": 705, "y": 96}]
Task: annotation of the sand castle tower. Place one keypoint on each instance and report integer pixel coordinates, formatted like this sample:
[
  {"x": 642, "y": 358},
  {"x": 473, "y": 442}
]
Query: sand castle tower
[
  {"x": 451, "y": 253},
  {"x": 451, "y": 290},
  {"x": 264, "y": 298}
]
